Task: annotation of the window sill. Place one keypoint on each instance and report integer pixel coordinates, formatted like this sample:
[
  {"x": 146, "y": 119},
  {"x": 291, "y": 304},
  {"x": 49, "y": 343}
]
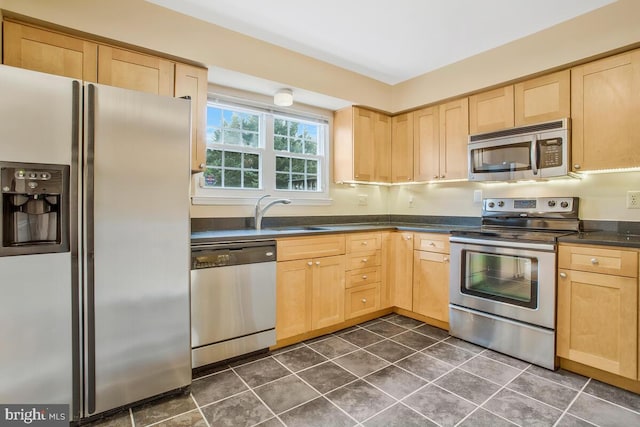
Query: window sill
[{"x": 251, "y": 201}]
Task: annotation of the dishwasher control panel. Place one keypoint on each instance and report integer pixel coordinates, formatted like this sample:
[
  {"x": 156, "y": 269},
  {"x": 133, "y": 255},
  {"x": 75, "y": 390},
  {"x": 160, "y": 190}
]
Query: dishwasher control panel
[{"x": 230, "y": 254}]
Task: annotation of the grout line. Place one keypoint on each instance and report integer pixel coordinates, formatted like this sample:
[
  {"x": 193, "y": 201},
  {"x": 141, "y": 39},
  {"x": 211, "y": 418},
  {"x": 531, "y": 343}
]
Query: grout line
[
  {"x": 554, "y": 381},
  {"x": 133, "y": 421},
  {"x": 607, "y": 401},
  {"x": 200, "y": 410},
  {"x": 566, "y": 411},
  {"x": 256, "y": 394}
]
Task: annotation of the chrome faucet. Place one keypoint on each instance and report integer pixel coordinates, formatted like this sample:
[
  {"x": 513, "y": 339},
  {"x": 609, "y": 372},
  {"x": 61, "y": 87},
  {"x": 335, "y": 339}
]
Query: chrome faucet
[{"x": 261, "y": 211}]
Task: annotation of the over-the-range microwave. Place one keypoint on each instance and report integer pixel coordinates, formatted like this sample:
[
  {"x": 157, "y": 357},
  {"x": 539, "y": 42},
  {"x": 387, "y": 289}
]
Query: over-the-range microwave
[{"x": 532, "y": 152}]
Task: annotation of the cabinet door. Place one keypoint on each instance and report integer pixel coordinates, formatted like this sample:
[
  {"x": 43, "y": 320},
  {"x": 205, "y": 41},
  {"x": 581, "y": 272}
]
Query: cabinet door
[
  {"x": 454, "y": 139},
  {"x": 192, "y": 81},
  {"x": 605, "y": 106},
  {"x": 402, "y": 148},
  {"x": 382, "y": 148},
  {"x": 328, "y": 291},
  {"x": 135, "y": 71},
  {"x": 426, "y": 144},
  {"x": 49, "y": 52},
  {"x": 543, "y": 99},
  {"x": 293, "y": 297},
  {"x": 401, "y": 270},
  {"x": 363, "y": 144},
  {"x": 491, "y": 110},
  {"x": 598, "y": 321},
  {"x": 431, "y": 285}
]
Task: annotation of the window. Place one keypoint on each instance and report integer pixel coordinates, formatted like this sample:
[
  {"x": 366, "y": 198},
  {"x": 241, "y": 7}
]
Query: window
[{"x": 252, "y": 152}]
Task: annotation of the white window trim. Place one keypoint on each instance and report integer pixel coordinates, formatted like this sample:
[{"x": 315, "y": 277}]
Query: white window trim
[{"x": 241, "y": 197}]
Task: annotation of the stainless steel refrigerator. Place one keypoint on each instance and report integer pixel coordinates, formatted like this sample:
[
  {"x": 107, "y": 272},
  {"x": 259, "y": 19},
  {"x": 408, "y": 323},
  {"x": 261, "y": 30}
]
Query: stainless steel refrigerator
[{"x": 94, "y": 255}]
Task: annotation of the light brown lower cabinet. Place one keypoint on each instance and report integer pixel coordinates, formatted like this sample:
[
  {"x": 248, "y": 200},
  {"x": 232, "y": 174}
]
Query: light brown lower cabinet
[
  {"x": 401, "y": 270},
  {"x": 309, "y": 294},
  {"x": 431, "y": 285},
  {"x": 597, "y": 312}
]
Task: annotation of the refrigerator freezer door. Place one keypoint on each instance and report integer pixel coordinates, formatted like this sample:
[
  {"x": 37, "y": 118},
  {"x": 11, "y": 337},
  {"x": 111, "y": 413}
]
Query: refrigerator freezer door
[{"x": 137, "y": 246}]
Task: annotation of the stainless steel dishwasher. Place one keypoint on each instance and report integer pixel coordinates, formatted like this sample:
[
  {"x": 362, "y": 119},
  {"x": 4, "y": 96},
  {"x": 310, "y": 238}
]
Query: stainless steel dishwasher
[{"x": 233, "y": 300}]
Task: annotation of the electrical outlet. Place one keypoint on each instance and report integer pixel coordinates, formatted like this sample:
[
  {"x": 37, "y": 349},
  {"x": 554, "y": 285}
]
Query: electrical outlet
[
  {"x": 363, "y": 200},
  {"x": 633, "y": 199}
]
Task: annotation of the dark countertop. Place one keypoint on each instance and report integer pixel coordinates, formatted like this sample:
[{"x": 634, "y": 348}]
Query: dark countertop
[
  {"x": 605, "y": 238},
  {"x": 243, "y": 235}
]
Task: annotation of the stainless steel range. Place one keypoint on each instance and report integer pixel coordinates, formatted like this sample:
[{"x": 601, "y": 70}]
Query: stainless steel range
[{"x": 503, "y": 276}]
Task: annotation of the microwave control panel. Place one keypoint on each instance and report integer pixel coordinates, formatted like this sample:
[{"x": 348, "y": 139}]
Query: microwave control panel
[{"x": 550, "y": 153}]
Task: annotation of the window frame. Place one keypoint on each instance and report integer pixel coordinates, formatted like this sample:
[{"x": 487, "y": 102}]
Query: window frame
[{"x": 247, "y": 196}]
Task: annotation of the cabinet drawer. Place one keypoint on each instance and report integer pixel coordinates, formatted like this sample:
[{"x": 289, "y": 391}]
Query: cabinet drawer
[
  {"x": 363, "y": 276},
  {"x": 599, "y": 260},
  {"x": 310, "y": 247},
  {"x": 363, "y": 242},
  {"x": 361, "y": 300},
  {"x": 431, "y": 242},
  {"x": 363, "y": 260}
]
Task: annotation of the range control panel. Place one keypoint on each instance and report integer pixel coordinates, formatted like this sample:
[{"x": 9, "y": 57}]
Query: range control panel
[{"x": 538, "y": 206}]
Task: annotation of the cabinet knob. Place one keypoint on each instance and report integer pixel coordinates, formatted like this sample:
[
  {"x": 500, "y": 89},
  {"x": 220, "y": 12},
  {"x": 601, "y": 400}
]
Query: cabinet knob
[
  {"x": 202, "y": 165},
  {"x": 442, "y": 176},
  {"x": 365, "y": 243},
  {"x": 594, "y": 261},
  {"x": 576, "y": 166},
  {"x": 563, "y": 275},
  {"x": 431, "y": 244},
  {"x": 408, "y": 237},
  {"x": 365, "y": 260},
  {"x": 445, "y": 259},
  {"x": 364, "y": 277},
  {"x": 317, "y": 262},
  {"x": 364, "y": 300},
  {"x": 309, "y": 263},
  {"x": 435, "y": 176}
]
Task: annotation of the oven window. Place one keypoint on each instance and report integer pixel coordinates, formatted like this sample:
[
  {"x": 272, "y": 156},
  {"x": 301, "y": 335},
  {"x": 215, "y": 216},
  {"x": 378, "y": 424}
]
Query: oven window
[
  {"x": 502, "y": 158},
  {"x": 506, "y": 278}
]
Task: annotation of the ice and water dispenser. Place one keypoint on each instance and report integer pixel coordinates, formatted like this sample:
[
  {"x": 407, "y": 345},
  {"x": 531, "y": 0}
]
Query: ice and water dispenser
[{"x": 35, "y": 208}]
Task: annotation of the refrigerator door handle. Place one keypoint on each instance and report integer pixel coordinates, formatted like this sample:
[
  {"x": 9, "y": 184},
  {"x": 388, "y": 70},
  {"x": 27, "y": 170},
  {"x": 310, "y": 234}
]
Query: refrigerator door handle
[
  {"x": 90, "y": 247},
  {"x": 74, "y": 224}
]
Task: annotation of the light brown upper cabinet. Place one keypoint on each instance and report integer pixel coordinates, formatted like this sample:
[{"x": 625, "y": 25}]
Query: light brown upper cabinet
[
  {"x": 605, "y": 107},
  {"x": 533, "y": 101},
  {"x": 491, "y": 110},
  {"x": 192, "y": 82},
  {"x": 135, "y": 71},
  {"x": 362, "y": 145},
  {"x": 543, "y": 99},
  {"x": 440, "y": 141},
  {"x": 402, "y": 148},
  {"x": 49, "y": 52}
]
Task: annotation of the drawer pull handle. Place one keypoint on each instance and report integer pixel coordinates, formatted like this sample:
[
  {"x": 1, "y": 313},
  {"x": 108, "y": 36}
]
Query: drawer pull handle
[
  {"x": 364, "y": 277},
  {"x": 563, "y": 275},
  {"x": 309, "y": 263},
  {"x": 364, "y": 300},
  {"x": 594, "y": 261},
  {"x": 365, "y": 260}
]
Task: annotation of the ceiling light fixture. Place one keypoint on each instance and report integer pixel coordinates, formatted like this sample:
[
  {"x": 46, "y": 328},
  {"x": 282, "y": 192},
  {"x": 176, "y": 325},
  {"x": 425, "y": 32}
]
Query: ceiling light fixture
[{"x": 283, "y": 98}]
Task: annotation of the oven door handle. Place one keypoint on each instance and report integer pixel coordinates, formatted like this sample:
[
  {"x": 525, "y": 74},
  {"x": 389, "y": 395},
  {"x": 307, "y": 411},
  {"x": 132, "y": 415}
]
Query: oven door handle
[
  {"x": 534, "y": 154},
  {"x": 503, "y": 243}
]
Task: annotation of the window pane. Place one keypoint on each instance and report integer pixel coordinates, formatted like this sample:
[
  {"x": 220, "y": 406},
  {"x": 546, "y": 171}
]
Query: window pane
[
  {"x": 296, "y": 146},
  {"x": 297, "y": 182},
  {"x": 213, "y": 177},
  {"x": 236, "y": 121},
  {"x": 232, "y": 159},
  {"x": 232, "y": 178},
  {"x": 251, "y": 161},
  {"x": 312, "y": 166},
  {"x": 280, "y": 143},
  {"x": 250, "y": 139},
  {"x": 280, "y": 127},
  {"x": 251, "y": 179},
  {"x": 282, "y": 181},
  {"x": 214, "y": 157},
  {"x": 231, "y": 137},
  {"x": 297, "y": 165},
  {"x": 282, "y": 164},
  {"x": 310, "y": 147}
]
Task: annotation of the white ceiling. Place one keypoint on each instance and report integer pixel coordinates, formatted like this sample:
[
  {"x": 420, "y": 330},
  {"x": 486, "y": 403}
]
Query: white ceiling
[{"x": 387, "y": 40}]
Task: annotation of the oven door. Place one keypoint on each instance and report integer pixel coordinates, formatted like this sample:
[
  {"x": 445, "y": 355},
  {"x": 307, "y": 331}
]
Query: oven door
[{"x": 514, "y": 282}]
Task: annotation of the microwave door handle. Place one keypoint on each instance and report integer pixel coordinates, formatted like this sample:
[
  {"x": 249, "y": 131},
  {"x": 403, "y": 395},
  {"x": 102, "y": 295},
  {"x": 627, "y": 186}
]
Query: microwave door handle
[{"x": 534, "y": 154}]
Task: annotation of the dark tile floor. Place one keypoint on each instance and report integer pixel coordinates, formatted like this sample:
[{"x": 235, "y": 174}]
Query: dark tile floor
[{"x": 392, "y": 371}]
